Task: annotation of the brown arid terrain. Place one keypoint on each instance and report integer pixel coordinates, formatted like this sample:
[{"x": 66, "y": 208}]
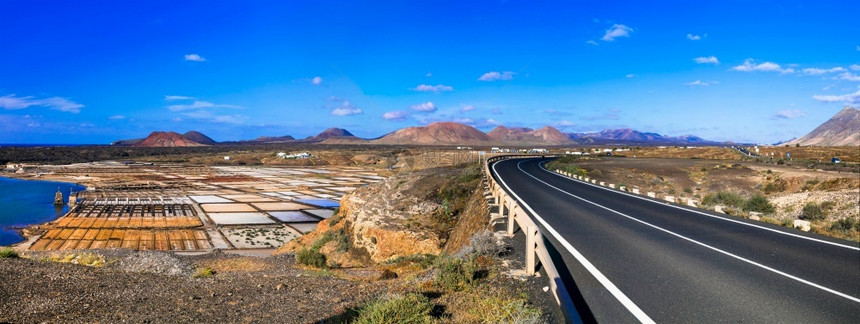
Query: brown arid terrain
[
  {"x": 417, "y": 241},
  {"x": 832, "y": 196}
]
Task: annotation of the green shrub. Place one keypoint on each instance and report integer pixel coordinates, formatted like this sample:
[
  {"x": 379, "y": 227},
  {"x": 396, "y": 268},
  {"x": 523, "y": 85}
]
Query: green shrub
[
  {"x": 846, "y": 225},
  {"x": 311, "y": 257},
  {"x": 206, "y": 272},
  {"x": 497, "y": 307},
  {"x": 456, "y": 274},
  {"x": 8, "y": 252},
  {"x": 412, "y": 308},
  {"x": 759, "y": 203},
  {"x": 812, "y": 211},
  {"x": 723, "y": 198}
]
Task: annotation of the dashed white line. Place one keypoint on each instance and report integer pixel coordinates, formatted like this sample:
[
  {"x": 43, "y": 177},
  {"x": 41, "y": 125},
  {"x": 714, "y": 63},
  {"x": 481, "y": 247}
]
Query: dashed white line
[{"x": 807, "y": 282}]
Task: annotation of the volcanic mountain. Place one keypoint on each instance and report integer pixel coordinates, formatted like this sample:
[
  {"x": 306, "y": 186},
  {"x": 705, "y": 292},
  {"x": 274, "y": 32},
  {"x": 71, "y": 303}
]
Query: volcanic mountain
[
  {"x": 441, "y": 133},
  {"x": 843, "y": 129},
  {"x": 171, "y": 139},
  {"x": 271, "y": 139},
  {"x": 329, "y": 133},
  {"x": 545, "y": 135},
  {"x": 502, "y": 133},
  {"x": 199, "y": 138}
]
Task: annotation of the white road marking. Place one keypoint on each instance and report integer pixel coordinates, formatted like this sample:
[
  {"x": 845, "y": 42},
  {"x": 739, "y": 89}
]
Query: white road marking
[
  {"x": 635, "y": 310},
  {"x": 840, "y": 294},
  {"x": 709, "y": 215}
]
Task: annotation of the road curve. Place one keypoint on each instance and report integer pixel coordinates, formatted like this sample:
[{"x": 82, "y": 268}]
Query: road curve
[{"x": 633, "y": 259}]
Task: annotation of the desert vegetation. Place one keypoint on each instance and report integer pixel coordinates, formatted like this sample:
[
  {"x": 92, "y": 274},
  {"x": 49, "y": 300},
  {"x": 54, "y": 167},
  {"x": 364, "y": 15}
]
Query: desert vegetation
[{"x": 780, "y": 193}]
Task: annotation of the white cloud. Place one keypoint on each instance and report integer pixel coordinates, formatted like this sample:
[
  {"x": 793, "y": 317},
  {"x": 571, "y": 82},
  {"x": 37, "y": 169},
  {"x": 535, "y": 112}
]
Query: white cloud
[
  {"x": 395, "y": 115},
  {"x": 855, "y": 67},
  {"x": 197, "y": 104},
  {"x": 631, "y": 75},
  {"x": 116, "y": 117},
  {"x": 424, "y": 107},
  {"x": 428, "y": 74},
  {"x": 699, "y": 83},
  {"x": 495, "y": 75},
  {"x": 707, "y": 60},
  {"x": 849, "y": 76},
  {"x": 467, "y": 108},
  {"x": 750, "y": 66},
  {"x": 208, "y": 116},
  {"x": 591, "y": 42},
  {"x": 694, "y": 37},
  {"x": 789, "y": 114},
  {"x": 316, "y": 80},
  {"x": 617, "y": 30},
  {"x": 171, "y": 98},
  {"x": 432, "y": 88},
  {"x": 850, "y": 98},
  {"x": 194, "y": 57},
  {"x": 11, "y": 102},
  {"x": 816, "y": 71},
  {"x": 346, "y": 109}
]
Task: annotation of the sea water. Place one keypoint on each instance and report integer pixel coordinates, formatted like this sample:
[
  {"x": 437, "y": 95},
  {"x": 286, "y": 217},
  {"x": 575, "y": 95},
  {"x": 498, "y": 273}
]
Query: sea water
[{"x": 28, "y": 202}]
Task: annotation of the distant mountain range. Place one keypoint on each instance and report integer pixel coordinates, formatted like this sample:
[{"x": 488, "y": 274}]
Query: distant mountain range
[
  {"x": 440, "y": 133},
  {"x": 843, "y": 129}
]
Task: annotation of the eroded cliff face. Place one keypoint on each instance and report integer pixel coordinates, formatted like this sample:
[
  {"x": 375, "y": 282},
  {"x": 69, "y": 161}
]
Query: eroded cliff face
[{"x": 423, "y": 212}]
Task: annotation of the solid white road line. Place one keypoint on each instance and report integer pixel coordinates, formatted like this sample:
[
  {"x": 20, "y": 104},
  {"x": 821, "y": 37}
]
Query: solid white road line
[
  {"x": 625, "y": 301},
  {"x": 856, "y": 248},
  {"x": 840, "y": 294}
]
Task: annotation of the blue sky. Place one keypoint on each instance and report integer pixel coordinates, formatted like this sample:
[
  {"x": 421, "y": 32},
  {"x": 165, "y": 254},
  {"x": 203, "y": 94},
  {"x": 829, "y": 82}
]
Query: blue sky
[{"x": 748, "y": 71}]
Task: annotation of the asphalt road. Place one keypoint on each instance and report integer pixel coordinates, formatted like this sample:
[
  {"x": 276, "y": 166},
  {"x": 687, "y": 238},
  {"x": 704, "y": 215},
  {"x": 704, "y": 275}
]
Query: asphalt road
[{"x": 634, "y": 259}]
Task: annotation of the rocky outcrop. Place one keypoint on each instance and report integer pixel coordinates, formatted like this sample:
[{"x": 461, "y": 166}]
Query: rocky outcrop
[{"x": 422, "y": 212}]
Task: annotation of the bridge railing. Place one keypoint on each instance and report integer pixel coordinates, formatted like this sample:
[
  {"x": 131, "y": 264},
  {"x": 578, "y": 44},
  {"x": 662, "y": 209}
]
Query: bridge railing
[{"x": 536, "y": 249}]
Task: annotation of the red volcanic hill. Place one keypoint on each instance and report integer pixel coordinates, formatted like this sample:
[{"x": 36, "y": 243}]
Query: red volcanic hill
[
  {"x": 199, "y": 138},
  {"x": 550, "y": 135},
  {"x": 330, "y": 133},
  {"x": 169, "y": 139},
  {"x": 517, "y": 135},
  {"x": 441, "y": 133},
  {"x": 502, "y": 133}
]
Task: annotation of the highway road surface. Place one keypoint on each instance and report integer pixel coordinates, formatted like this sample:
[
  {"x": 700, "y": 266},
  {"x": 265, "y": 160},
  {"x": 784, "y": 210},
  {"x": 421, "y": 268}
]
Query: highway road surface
[{"x": 629, "y": 258}]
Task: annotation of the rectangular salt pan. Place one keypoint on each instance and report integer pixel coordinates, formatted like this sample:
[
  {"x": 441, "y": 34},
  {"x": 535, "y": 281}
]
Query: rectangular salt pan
[
  {"x": 304, "y": 227},
  {"x": 293, "y": 217},
  {"x": 209, "y": 199},
  {"x": 322, "y": 213},
  {"x": 240, "y": 218},
  {"x": 324, "y": 203}
]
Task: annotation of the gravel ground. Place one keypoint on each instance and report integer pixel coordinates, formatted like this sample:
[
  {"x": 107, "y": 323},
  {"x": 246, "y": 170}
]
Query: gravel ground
[
  {"x": 129, "y": 291},
  {"x": 160, "y": 287}
]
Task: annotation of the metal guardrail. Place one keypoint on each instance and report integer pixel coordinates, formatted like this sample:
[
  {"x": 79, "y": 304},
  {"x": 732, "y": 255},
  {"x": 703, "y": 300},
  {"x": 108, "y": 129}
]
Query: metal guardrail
[{"x": 535, "y": 243}]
